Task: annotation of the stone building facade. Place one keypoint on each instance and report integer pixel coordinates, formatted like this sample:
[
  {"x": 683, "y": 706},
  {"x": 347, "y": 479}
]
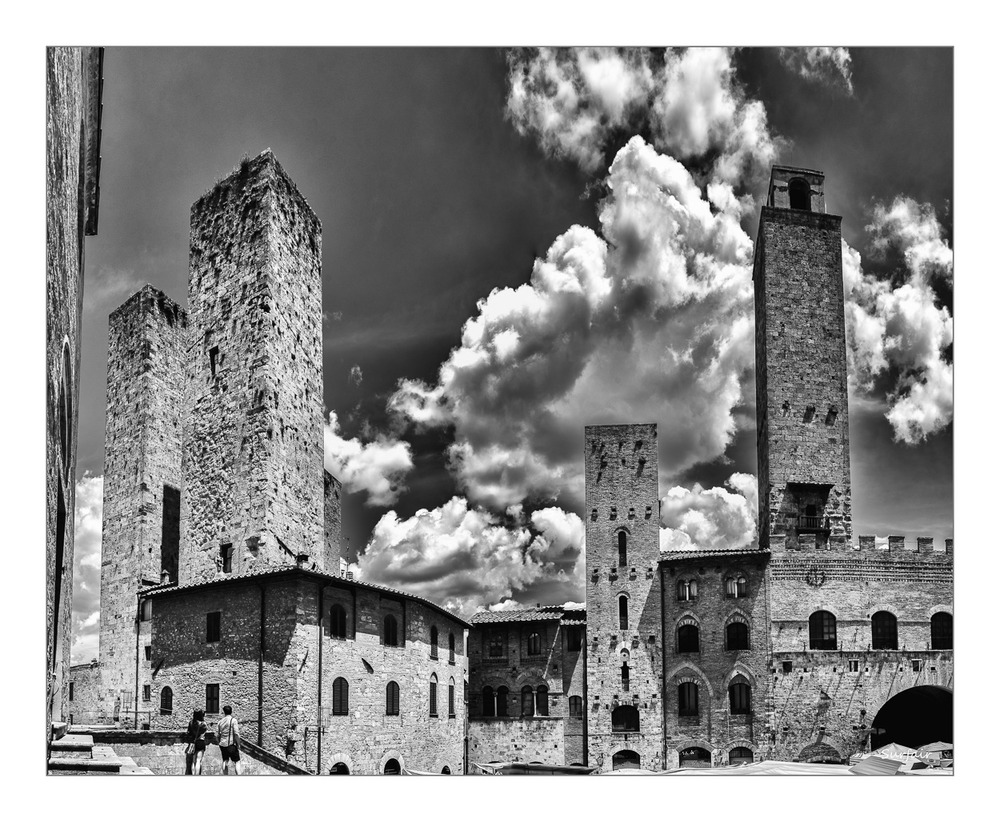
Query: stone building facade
[
  {"x": 375, "y": 675},
  {"x": 528, "y": 686},
  {"x": 74, "y": 82}
]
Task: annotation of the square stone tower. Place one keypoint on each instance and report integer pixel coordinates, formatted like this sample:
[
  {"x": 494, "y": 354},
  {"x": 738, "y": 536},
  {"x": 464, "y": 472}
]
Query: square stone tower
[
  {"x": 624, "y": 629},
  {"x": 803, "y": 445},
  {"x": 142, "y": 481},
  {"x": 253, "y": 438}
]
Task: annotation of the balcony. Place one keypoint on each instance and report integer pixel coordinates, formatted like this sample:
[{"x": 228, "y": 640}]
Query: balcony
[{"x": 806, "y": 525}]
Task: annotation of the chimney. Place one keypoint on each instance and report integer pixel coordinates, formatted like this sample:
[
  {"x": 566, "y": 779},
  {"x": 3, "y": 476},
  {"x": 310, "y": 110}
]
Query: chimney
[
  {"x": 301, "y": 560},
  {"x": 164, "y": 577}
]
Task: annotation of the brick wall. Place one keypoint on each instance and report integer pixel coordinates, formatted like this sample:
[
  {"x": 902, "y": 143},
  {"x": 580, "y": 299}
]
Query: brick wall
[
  {"x": 620, "y": 464},
  {"x": 294, "y": 694},
  {"x": 713, "y": 666},
  {"x": 334, "y": 549},
  {"x": 84, "y": 705},
  {"x": 253, "y": 451}
]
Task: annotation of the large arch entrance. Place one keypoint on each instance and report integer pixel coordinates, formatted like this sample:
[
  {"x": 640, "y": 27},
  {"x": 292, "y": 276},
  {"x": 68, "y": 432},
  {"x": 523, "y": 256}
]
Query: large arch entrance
[
  {"x": 624, "y": 759},
  {"x": 914, "y": 717}
]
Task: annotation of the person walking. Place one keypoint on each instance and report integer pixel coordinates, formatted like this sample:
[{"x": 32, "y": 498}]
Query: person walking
[
  {"x": 229, "y": 740},
  {"x": 195, "y": 738}
]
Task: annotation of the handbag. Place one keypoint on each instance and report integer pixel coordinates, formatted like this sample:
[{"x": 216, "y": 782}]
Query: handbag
[{"x": 189, "y": 750}]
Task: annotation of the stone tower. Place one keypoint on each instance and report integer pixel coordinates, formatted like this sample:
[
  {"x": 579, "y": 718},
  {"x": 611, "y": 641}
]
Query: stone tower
[
  {"x": 624, "y": 659},
  {"x": 253, "y": 437},
  {"x": 142, "y": 481},
  {"x": 803, "y": 446}
]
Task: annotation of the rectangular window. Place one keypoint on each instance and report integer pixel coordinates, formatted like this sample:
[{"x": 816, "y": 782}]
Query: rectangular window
[
  {"x": 211, "y": 699},
  {"x": 70, "y": 691},
  {"x": 213, "y": 358},
  {"x": 434, "y": 699},
  {"x": 451, "y": 699},
  {"x": 146, "y": 694},
  {"x": 573, "y": 641},
  {"x": 916, "y": 665},
  {"x": 214, "y": 632},
  {"x": 853, "y": 665},
  {"x": 170, "y": 532},
  {"x": 786, "y": 667},
  {"x": 149, "y": 652},
  {"x": 226, "y": 554}
]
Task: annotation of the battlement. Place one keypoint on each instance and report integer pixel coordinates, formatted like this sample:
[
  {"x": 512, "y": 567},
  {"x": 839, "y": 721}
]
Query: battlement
[{"x": 893, "y": 544}]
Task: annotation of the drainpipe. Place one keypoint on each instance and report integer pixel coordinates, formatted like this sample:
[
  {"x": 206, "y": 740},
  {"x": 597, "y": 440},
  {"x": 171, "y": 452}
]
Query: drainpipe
[
  {"x": 663, "y": 662},
  {"x": 260, "y": 674},
  {"x": 138, "y": 622},
  {"x": 319, "y": 681}
]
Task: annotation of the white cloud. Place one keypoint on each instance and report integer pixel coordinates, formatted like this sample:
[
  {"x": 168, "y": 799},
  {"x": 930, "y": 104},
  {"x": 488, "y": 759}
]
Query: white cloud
[
  {"x": 652, "y": 321},
  {"x": 577, "y": 102},
  {"x": 356, "y": 376},
  {"x": 903, "y": 331},
  {"x": 710, "y": 518},
  {"x": 820, "y": 64},
  {"x": 87, "y": 568},
  {"x": 377, "y": 467},
  {"x": 466, "y": 558}
]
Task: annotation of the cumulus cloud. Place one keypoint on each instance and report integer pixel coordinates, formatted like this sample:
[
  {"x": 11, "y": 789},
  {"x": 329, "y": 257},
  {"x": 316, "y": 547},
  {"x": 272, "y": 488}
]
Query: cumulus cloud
[
  {"x": 903, "y": 331},
  {"x": 710, "y": 518},
  {"x": 467, "y": 558},
  {"x": 651, "y": 321},
  {"x": 376, "y": 467},
  {"x": 820, "y": 64},
  {"x": 87, "y": 568},
  {"x": 578, "y": 102}
]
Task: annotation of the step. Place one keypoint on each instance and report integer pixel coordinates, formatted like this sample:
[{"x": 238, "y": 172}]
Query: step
[
  {"x": 59, "y": 729},
  {"x": 65, "y": 763},
  {"x": 72, "y": 742}
]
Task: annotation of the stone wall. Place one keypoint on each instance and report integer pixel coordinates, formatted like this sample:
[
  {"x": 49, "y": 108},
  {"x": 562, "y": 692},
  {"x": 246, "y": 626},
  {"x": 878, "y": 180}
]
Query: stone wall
[
  {"x": 142, "y": 480},
  {"x": 296, "y": 705},
  {"x": 72, "y": 160},
  {"x": 713, "y": 666},
  {"x": 84, "y": 697},
  {"x": 519, "y": 739},
  {"x": 253, "y": 436},
  {"x": 622, "y": 493},
  {"x": 803, "y": 441},
  {"x": 334, "y": 549}
]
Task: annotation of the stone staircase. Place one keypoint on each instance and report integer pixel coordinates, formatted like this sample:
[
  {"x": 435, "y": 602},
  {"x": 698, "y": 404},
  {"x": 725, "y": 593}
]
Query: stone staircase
[{"x": 75, "y": 753}]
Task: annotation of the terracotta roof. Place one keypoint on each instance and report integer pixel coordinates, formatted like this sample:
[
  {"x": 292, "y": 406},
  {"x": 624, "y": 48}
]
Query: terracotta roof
[
  {"x": 721, "y": 553},
  {"x": 520, "y": 615},
  {"x": 280, "y": 570}
]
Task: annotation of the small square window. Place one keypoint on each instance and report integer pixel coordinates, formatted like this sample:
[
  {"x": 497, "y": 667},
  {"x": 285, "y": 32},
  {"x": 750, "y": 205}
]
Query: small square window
[
  {"x": 226, "y": 556},
  {"x": 786, "y": 667},
  {"x": 146, "y": 695},
  {"x": 214, "y": 627},
  {"x": 853, "y": 665},
  {"x": 809, "y": 414},
  {"x": 916, "y": 665}
]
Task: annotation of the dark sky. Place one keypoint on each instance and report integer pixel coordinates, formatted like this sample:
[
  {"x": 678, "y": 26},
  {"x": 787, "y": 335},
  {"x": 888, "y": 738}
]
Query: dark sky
[{"x": 429, "y": 199}]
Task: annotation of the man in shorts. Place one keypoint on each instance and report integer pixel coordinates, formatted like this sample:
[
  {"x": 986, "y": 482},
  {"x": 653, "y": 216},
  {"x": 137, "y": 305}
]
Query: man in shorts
[{"x": 229, "y": 740}]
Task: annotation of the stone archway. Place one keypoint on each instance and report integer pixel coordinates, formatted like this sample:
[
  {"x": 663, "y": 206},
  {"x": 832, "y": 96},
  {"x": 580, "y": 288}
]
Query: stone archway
[{"x": 914, "y": 717}]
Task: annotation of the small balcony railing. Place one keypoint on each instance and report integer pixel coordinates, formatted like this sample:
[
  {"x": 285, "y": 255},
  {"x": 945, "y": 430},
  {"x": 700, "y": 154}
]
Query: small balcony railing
[{"x": 813, "y": 524}]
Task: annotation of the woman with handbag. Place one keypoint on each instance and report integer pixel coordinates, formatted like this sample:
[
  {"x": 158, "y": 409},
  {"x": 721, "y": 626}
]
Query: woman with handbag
[{"x": 195, "y": 738}]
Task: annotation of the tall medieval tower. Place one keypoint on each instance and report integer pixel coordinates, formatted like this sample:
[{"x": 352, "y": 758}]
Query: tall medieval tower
[
  {"x": 142, "y": 480},
  {"x": 253, "y": 437},
  {"x": 624, "y": 660},
  {"x": 803, "y": 446}
]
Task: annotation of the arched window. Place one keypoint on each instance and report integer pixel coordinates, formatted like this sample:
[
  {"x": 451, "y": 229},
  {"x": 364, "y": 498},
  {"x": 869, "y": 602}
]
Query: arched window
[
  {"x": 451, "y": 697},
  {"x": 340, "y": 701},
  {"x": 687, "y": 699},
  {"x": 489, "y": 703},
  {"x": 687, "y": 636},
  {"x": 338, "y": 622},
  {"x": 822, "y": 631},
  {"x": 496, "y": 647},
  {"x": 542, "y": 700},
  {"x": 166, "y": 702},
  {"x": 625, "y": 718},
  {"x": 503, "y": 700},
  {"x": 623, "y": 613},
  {"x": 884, "y": 632},
  {"x": 434, "y": 695},
  {"x": 340, "y": 769},
  {"x": 434, "y": 642},
  {"x": 624, "y": 760},
  {"x": 576, "y": 707},
  {"x": 737, "y": 636},
  {"x": 799, "y": 195},
  {"x": 622, "y": 549},
  {"x": 527, "y": 701},
  {"x": 737, "y": 756},
  {"x": 451, "y": 648},
  {"x": 739, "y": 695},
  {"x": 390, "y": 635},
  {"x": 534, "y": 644},
  {"x": 941, "y": 632},
  {"x": 446, "y": 770},
  {"x": 392, "y": 768},
  {"x": 736, "y": 587},
  {"x": 687, "y": 590},
  {"x": 146, "y": 610},
  {"x": 392, "y": 699}
]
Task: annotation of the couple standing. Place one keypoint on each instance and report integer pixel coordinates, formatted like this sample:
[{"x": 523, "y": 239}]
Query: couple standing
[{"x": 227, "y": 736}]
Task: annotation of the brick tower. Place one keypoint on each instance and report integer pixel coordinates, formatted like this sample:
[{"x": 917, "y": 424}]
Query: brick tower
[
  {"x": 253, "y": 437},
  {"x": 803, "y": 446},
  {"x": 624, "y": 660},
  {"x": 142, "y": 482}
]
